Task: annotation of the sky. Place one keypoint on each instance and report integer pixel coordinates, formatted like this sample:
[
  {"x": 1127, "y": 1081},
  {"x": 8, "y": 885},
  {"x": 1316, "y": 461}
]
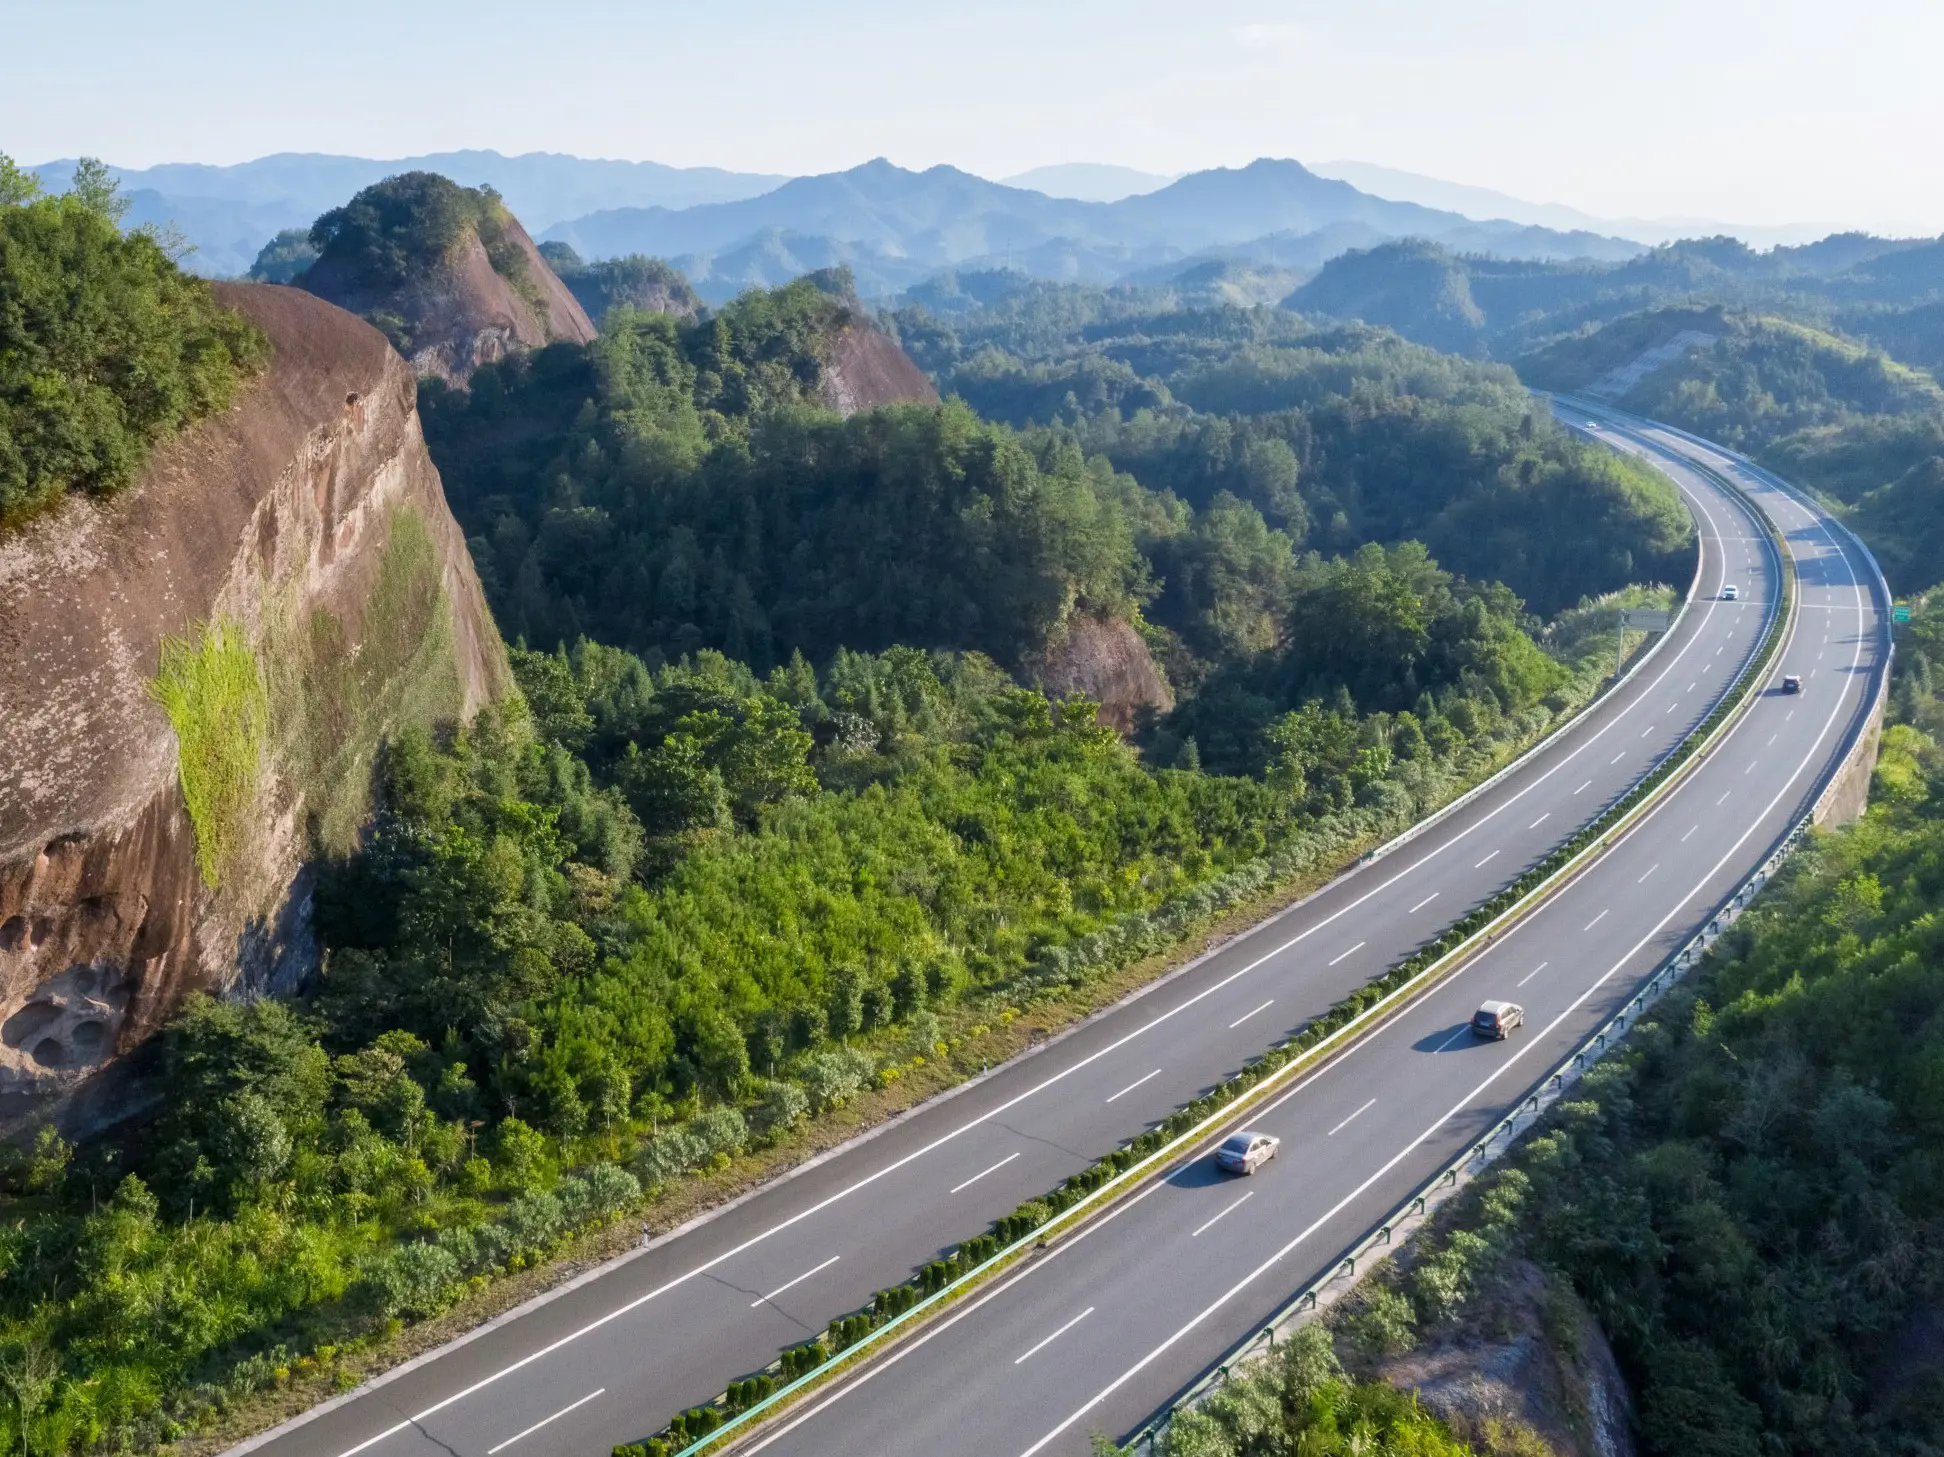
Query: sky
[{"x": 1753, "y": 111}]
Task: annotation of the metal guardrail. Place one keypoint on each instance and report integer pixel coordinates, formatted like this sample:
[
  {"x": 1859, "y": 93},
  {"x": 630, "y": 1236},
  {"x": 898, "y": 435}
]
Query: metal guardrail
[{"x": 1416, "y": 1211}]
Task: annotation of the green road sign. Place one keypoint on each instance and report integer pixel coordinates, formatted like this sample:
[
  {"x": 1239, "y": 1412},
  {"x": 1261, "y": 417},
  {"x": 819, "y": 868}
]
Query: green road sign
[{"x": 1900, "y": 613}]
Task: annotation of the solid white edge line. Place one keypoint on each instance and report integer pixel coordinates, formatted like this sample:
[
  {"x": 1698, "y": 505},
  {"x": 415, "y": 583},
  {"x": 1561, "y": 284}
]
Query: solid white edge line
[
  {"x": 983, "y": 1172},
  {"x": 493, "y": 1451}
]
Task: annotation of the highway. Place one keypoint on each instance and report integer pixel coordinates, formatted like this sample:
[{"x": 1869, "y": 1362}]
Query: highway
[{"x": 1097, "y": 1334}]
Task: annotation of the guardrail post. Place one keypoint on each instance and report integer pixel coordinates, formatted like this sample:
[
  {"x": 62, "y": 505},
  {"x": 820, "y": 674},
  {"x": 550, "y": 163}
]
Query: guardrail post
[
  {"x": 1383, "y": 1234},
  {"x": 1348, "y": 1267},
  {"x": 1417, "y": 1205}
]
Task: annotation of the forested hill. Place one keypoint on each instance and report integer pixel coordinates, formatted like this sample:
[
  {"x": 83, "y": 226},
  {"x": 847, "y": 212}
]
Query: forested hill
[
  {"x": 1333, "y": 435},
  {"x": 447, "y": 273},
  {"x": 1873, "y": 289}
]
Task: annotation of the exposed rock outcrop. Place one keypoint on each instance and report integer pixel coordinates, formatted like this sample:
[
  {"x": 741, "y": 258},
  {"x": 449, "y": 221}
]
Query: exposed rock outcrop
[
  {"x": 451, "y": 315},
  {"x": 308, "y": 524},
  {"x": 1535, "y": 1357},
  {"x": 1106, "y": 660},
  {"x": 865, "y": 368}
]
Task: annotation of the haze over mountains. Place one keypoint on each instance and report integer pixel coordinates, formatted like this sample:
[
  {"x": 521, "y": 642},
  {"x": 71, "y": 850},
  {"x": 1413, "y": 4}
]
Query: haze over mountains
[
  {"x": 230, "y": 212},
  {"x": 894, "y": 227}
]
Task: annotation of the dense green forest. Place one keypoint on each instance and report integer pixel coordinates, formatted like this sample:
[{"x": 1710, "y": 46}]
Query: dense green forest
[
  {"x": 1336, "y": 436},
  {"x": 1870, "y": 289},
  {"x": 106, "y": 346},
  {"x": 1749, "y": 1196}
]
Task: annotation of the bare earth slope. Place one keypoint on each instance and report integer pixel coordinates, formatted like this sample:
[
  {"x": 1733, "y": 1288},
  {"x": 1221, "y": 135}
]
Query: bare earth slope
[{"x": 309, "y": 520}]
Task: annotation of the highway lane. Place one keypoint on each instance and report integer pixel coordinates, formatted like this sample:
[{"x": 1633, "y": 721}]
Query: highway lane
[
  {"x": 1093, "y": 1335},
  {"x": 670, "y": 1327}
]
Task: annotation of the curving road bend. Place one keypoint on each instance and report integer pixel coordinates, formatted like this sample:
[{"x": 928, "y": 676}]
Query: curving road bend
[{"x": 1095, "y": 1336}]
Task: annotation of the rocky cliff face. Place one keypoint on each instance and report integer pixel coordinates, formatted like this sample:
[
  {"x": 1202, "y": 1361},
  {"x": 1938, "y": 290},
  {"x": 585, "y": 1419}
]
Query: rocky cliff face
[
  {"x": 287, "y": 578},
  {"x": 1106, "y": 660},
  {"x": 864, "y": 368},
  {"x": 453, "y": 316}
]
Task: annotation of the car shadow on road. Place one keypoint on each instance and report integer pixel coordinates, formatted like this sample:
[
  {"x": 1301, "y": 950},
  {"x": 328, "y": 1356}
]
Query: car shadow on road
[
  {"x": 1449, "y": 1039},
  {"x": 1200, "y": 1174}
]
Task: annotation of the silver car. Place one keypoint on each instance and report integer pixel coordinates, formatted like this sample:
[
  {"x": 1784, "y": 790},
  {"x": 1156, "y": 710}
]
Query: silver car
[
  {"x": 1497, "y": 1019},
  {"x": 1244, "y": 1153}
]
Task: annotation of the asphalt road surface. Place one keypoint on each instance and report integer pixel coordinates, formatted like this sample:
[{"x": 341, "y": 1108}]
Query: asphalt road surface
[{"x": 1097, "y": 1336}]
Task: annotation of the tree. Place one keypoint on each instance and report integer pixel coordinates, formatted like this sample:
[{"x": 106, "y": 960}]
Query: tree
[
  {"x": 29, "y": 1372},
  {"x": 95, "y": 188}
]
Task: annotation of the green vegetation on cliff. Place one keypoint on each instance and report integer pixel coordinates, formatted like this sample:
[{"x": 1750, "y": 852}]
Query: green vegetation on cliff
[
  {"x": 212, "y": 690},
  {"x": 106, "y": 346}
]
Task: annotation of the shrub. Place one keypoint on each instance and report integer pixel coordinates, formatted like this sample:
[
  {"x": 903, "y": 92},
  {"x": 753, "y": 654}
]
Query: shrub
[{"x": 414, "y": 1279}]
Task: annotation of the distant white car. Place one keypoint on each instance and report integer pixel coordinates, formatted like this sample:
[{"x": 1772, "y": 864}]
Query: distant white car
[
  {"x": 1731, "y": 593},
  {"x": 1244, "y": 1153}
]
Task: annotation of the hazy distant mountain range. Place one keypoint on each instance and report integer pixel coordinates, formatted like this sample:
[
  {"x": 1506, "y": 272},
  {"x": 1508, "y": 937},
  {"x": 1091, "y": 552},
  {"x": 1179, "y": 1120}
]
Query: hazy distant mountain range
[
  {"x": 231, "y": 212},
  {"x": 893, "y": 227}
]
